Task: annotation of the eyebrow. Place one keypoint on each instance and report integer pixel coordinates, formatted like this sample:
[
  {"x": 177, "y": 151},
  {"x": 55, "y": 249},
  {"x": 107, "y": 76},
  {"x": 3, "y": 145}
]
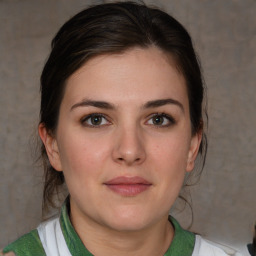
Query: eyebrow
[
  {"x": 162, "y": 102},
  {"x": 106, "y": 105},
  {"x": 93, "y": 103}
]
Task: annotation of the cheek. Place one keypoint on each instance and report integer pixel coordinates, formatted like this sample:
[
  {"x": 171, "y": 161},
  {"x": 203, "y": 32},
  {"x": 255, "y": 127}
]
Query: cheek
[
  {"x": 169, "y": 172},
  {"x": 169, "y": 157},
  {"x": 81, "y": 156},
  {"x": 171, "y": 152}
]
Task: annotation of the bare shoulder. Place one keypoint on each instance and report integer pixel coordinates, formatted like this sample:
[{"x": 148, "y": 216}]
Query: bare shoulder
[{"x": 6, "y": 254}]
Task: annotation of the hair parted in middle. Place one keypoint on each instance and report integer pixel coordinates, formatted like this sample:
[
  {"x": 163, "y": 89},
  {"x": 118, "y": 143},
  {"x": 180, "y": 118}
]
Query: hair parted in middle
[{"x": 107, "y": 29}]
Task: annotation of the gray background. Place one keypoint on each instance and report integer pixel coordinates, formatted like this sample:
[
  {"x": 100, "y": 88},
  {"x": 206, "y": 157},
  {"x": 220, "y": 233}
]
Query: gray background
[{"x": 224, "y": 33}]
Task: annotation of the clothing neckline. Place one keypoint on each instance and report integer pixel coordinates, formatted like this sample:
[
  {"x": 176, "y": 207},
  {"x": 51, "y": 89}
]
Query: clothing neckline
[{"x": 182, "y": 244}]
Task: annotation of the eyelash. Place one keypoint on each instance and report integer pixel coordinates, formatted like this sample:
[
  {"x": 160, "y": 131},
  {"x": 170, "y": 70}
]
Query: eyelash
[
  {"x": 170, "y": 120},
  {"x": 84, "y": 120},
  {"x": 88, "y": 117}
]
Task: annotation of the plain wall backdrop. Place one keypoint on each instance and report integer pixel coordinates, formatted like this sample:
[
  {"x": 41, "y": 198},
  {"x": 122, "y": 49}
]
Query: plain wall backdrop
[{"x": 224, "y": 34}]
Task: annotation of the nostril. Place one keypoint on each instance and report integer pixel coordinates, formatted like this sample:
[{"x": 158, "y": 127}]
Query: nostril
[{"x": 122, "y": 159}]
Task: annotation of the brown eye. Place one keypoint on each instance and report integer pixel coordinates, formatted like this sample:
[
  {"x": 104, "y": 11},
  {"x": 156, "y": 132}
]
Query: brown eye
[
  {"x": 94, "y": 120},
  {"x": 161, "y": 120},
  {"x": 158, "y": 120}
]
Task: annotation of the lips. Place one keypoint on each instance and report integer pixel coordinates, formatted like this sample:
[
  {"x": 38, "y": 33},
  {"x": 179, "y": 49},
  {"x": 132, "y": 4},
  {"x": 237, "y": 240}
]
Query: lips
[{"x": 128, "y": 186}]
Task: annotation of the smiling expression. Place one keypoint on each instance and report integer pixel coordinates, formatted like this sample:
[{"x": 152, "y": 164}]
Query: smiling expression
[{"x": 123, "y": 139}]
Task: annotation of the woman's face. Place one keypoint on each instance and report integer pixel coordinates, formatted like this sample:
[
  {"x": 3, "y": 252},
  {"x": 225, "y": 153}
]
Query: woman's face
[{"x": 124, "y": 139}]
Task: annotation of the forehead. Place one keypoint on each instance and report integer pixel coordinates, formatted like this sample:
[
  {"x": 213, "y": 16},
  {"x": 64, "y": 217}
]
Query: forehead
[{"x": 135, "y": 74}]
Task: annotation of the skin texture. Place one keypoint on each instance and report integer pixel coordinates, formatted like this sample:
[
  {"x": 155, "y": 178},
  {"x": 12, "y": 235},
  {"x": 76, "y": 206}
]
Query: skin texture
[{"x": 128, "y": 141}]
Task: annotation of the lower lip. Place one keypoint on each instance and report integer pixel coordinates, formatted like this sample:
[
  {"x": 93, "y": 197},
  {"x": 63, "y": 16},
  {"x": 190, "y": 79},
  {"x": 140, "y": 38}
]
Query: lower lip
[{"x": 128, "y": 190}]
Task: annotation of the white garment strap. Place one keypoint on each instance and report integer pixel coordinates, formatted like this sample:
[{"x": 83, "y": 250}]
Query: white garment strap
[
  {"x": 207, "y": 248},
  {"x": 52, "y": 238},
  {"x": 54, "y": 244}
]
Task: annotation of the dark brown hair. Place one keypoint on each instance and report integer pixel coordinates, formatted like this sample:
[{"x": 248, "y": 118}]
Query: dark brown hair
[{"x": 106, "y": 29}]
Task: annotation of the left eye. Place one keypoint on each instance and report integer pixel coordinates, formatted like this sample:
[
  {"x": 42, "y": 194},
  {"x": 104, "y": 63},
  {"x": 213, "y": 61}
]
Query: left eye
[
  {"x": 161, "y": 120},
  {"x": 95, "y": 120}
]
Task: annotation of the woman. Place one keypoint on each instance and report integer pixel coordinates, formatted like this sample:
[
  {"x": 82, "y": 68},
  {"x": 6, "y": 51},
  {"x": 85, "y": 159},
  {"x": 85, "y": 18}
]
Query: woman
[{"x": 121, "y": 126}]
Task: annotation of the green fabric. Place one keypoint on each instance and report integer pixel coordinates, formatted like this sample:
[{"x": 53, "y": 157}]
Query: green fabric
[
  {"x": 27, "y": 245},
  {"x": 74, "y": 243},
  {"x": 30, "y": 244},
  {"x": 183, "y": 242},
  {"x": 182, "y": 245}
]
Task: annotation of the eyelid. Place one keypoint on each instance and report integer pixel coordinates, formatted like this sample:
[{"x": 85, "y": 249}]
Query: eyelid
[
  {"x": 170, "y": 119},
  {"x": 87, "y": 117}
]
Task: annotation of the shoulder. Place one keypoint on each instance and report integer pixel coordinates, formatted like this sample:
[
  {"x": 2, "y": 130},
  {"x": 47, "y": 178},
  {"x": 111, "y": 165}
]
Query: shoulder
[
  {"x": 204, "y": 247},
  {"x": 27, "y": 245},
  {"x": 6, "y": 254}
]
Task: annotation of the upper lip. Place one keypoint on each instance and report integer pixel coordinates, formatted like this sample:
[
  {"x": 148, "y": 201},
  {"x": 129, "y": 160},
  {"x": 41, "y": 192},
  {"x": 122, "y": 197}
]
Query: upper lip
[{"x": 123, "y": 180}]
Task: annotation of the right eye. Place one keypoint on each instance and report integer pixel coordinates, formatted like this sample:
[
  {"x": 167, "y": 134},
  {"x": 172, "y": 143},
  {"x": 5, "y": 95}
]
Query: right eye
[{"x": 95, "y": 120}]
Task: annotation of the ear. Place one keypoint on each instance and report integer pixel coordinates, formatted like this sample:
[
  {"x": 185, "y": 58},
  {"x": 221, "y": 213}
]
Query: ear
[
  {"x": 193, "y": 150},
  {"x": 51, "y": 147}
]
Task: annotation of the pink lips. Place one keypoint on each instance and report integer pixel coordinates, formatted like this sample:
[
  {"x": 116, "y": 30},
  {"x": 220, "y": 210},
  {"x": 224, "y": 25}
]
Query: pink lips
[{"x": 128, "y": 186}]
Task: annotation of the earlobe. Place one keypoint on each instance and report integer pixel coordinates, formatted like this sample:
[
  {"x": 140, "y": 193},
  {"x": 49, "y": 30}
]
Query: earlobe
[
  {"x": 51, "y": 147},
  {"x": 193, "y": 151}
]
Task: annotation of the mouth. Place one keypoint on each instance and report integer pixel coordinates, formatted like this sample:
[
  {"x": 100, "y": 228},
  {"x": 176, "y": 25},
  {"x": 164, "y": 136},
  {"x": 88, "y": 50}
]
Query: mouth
[{"x": 128, "y": 186}]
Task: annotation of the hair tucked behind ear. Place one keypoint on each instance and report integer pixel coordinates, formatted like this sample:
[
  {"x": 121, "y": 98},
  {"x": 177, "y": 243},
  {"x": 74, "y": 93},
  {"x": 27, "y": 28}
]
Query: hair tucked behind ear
[{"x": 106, "y": 29}]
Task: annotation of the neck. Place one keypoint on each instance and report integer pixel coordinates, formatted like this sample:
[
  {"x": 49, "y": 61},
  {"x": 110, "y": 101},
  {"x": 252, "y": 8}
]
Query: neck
[{"x": 101, "y": 240}]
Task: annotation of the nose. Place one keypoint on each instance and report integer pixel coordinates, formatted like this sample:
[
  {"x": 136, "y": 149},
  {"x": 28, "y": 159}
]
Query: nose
[{"x": 129, "y": 146}]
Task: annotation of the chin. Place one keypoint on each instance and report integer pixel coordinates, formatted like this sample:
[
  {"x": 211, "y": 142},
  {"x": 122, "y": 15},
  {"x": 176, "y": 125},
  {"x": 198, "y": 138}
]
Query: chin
[
  {"x": 128, "y": 225},
  {"x": 129, "y": 221}
]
